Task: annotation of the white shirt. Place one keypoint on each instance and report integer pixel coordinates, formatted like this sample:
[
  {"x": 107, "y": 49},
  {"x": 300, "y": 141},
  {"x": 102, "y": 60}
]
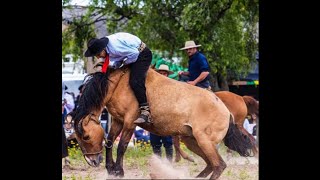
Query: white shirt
[
  {"x": 70, "y": 102},
  {"x": 246, "y": 124},
  {"x": 123, "y": 45}
]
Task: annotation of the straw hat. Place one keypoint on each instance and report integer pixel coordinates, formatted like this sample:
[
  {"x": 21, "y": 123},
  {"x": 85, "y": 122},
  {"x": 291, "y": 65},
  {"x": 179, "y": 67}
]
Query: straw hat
[
  {"x": 164, "y": 67},
  {"x": 190, "y": 44}
]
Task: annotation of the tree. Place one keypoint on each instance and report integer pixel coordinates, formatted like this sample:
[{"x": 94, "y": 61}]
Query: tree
[{"x": 226, "y": 29}]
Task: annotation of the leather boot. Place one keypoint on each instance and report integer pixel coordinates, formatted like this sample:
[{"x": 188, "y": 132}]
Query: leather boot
[
  {"x": 157, "y": 150},
  {"x": 144, "y": 116},
  {"x": 169, "y": 153}
]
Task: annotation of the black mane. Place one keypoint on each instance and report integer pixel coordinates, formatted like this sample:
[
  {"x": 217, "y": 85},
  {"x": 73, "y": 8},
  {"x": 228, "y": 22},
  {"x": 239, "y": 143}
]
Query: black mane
[{"x": 94, "y": 92}]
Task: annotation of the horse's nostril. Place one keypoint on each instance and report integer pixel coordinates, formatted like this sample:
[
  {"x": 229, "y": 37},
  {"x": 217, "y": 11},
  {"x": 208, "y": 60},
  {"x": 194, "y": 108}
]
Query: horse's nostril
[{"x": 94, "y": 162}]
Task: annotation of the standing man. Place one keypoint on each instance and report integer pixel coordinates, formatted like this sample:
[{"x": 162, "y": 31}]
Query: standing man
[
  {"x": 65, "y": 153},
  {"x": 157, "y": 141},
  {"x": 124, "y": 48},
  {"x": 198, "y": 69}
]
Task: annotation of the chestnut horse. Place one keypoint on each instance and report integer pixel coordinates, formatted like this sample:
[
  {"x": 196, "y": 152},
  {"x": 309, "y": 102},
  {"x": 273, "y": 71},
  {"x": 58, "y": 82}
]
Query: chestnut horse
[
  {"x": 240, "y": 107},
  {"x": 198, "y": 116}
]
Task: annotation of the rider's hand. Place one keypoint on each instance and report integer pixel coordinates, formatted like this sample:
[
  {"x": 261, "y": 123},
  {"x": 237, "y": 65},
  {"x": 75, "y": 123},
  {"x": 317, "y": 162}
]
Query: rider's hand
[
  {"x": 117, "y": 64},
  {"x": 180, "y": 73}
]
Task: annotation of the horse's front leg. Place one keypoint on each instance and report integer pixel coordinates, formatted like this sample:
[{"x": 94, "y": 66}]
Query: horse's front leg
[
  {"x": 116, "y": 127},
  {"x": 122, "y": 147}
]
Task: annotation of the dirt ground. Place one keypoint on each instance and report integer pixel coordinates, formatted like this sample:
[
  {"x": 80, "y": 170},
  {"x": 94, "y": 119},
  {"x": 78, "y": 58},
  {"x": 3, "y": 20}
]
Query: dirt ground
[{"x": 245, "y": 168}]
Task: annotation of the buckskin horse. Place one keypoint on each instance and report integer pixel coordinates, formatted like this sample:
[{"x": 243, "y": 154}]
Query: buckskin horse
[
  {"x": 198, "y": 116},
  {"x": 240, "y": 107}
]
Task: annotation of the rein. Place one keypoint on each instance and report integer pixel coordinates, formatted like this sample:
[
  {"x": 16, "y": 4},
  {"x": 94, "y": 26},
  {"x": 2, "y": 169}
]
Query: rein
[{"x": 79, "y": 142}]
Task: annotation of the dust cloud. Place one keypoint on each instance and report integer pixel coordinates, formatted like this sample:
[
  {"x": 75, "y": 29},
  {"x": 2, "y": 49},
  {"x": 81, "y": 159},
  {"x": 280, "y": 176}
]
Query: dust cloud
[{"x": 163, "y": 169}]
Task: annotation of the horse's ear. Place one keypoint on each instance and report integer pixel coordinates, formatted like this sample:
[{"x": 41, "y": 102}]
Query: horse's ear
[{"x": 86, "y": 120}]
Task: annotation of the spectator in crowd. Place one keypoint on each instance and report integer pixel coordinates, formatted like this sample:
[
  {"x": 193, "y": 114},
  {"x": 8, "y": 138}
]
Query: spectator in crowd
[
  {"x": 198, "y": 69},
  {"x": 78, "y": 97},
  {"x": 65, "y": 154},
  {"x": 68, "y": 101},
  {"x": 104, "y": 119},
  {"x": 246, "y": 124},
  {"x": 253, "y": 120},
  {"x": 141, "y": 134},
  {"x": 250, "y": 125}
]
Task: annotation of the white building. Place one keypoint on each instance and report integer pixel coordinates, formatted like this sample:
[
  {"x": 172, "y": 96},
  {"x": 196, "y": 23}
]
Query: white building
[{"x": 69, "y": 66}]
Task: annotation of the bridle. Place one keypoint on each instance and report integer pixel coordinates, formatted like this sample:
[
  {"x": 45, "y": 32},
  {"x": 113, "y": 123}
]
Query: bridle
[
  {"x": 80, "y": 130},
  {"x": 98, "y": 122}
]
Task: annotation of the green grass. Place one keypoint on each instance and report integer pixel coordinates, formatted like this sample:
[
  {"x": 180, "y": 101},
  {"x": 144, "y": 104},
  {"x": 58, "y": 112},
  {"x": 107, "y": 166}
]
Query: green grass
[
  {"x": 76, "y": 155},
  {"x": 78, "y": 177},
  {"x": 137, "y": 158}
]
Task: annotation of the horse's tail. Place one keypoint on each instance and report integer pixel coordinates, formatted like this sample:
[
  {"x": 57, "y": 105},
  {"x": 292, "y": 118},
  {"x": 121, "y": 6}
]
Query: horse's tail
[
  {"x": 236, "y": 141},
  {"x": 252, "y": 105}
]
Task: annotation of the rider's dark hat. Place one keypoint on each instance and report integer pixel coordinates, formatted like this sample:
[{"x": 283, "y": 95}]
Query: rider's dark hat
[{"x": 95, "y": 46}]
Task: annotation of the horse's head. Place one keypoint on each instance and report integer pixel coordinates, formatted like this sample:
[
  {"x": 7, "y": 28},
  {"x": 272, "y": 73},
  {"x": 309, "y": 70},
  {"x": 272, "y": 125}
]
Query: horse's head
[
  {"x": 89, "y": 132},
  {"x": 90, "y": 135},
  {"x": 95, "y": 95}
]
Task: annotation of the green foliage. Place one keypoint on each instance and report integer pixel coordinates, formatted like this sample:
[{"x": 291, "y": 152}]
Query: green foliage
[
  {"x": 226, "y": 29},
  {"x": 65, "y": 2},
  {"x": 74, "y": 38},
  {"x": 76, "y": 154}
]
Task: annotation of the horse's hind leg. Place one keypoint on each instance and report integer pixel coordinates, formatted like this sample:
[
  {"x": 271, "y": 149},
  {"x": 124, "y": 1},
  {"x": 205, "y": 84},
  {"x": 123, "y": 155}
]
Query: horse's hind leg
[
  {"x": 179, "y": 151},
  {"x": 115, "y": 130},
  {"x": 176, "y": 144},
  {"x": 192, "y": 144},
  {"x": 208, "y": 146}
]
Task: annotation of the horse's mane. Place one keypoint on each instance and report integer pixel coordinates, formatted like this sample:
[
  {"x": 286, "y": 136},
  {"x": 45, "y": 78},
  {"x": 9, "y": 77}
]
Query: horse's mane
[{"x": 94, "y": 92}]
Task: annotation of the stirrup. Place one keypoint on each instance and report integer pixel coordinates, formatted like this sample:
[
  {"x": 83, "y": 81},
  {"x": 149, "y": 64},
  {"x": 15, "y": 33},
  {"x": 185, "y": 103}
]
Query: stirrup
[{"x": 143, "y": 118}]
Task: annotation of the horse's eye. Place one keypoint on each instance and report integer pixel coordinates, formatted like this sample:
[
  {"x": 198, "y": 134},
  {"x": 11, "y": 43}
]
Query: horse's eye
[{"x": 86, "y": 138}]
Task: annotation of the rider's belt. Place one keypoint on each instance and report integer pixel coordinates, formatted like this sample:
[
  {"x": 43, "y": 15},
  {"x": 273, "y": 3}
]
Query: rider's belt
[{"x": 142, "y": 46}]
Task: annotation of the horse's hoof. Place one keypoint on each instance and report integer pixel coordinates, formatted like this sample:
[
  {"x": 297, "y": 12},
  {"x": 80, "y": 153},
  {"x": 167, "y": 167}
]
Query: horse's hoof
[
  {"x": 110, "y": 169},
  {"x": 190, "y": 159},
  {"x": 118, "y": 172}
]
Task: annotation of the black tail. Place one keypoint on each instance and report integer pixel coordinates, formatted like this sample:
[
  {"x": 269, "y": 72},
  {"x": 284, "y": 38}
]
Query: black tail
[{"x": 236, "y": 141}]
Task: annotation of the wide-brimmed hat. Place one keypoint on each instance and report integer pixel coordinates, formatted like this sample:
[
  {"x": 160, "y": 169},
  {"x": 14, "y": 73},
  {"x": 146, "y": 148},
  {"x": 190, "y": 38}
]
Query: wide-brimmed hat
[
  {"x": 95, "y": 46},
  {"x": 164, "y": 67},
  {"x": 189, "y": 44}
]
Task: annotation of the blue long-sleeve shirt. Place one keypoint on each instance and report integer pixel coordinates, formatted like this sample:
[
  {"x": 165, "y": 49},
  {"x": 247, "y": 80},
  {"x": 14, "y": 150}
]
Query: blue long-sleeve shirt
[
  {"x": 198, "y": 64},
  {"x": 123, "y": 45}
]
